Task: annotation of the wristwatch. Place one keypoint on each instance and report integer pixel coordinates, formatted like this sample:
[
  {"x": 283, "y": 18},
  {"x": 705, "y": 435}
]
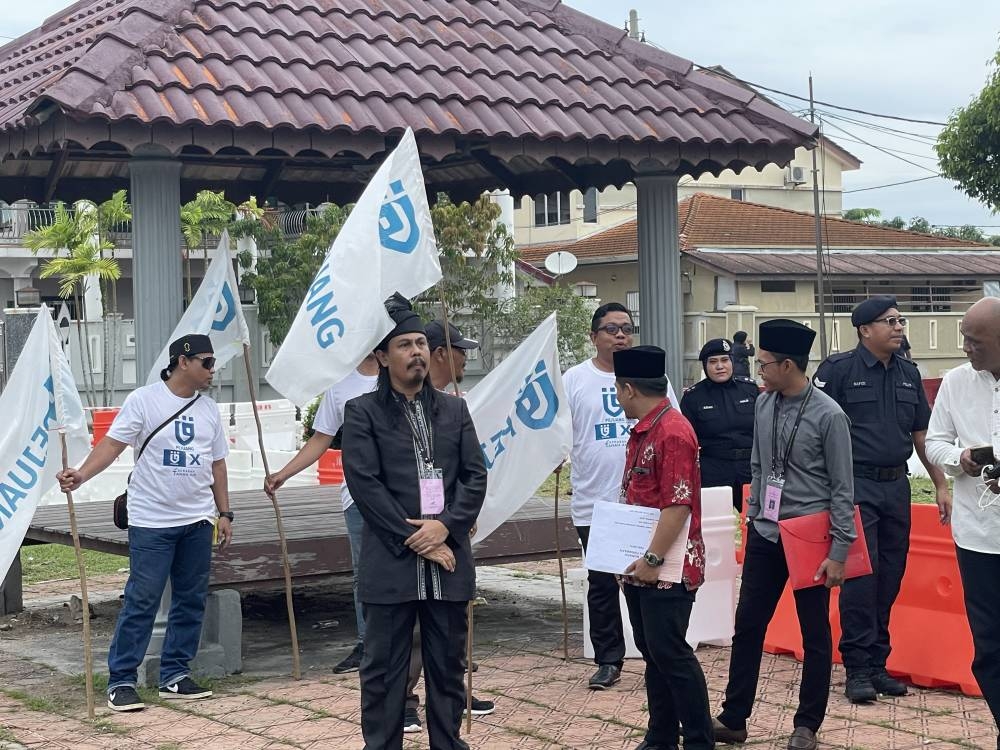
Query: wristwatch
[
  {"x": 226, "y": 514},
  {"x": 652, "y": 559}
]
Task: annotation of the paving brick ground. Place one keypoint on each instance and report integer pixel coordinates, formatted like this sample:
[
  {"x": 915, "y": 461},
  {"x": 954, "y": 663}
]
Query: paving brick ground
[{"x": 542, "y": 703}]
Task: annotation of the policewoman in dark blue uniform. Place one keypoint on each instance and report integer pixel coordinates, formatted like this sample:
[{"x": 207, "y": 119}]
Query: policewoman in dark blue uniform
[
  {"x": 721, "y": 410},
  {"x": 882, "y": 394}
]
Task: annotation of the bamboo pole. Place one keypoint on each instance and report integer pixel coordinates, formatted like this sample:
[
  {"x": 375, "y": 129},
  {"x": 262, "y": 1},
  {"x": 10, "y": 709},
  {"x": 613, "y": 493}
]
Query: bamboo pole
[
  {"x": 88, "y": 656},
  {"x": 562, "y": 577},
  {"x": 296, "y": 663}
]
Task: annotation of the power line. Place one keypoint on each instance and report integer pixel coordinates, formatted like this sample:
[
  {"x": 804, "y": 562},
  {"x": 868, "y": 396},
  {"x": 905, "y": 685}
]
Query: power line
[
  {"x": 893, "y": 184},
  {"x": 886, "y": 148},
  {"x": 896, "y": 132},
  {"x": 879, "y": 148}
]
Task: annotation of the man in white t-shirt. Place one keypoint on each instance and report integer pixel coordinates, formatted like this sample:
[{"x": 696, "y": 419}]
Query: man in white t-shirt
[
  {"x": 178, "y": 492},
  {"x": 327, "y": 423},
  {"x": 600, "y": 433},
  {"x": 964, "y": 440}
]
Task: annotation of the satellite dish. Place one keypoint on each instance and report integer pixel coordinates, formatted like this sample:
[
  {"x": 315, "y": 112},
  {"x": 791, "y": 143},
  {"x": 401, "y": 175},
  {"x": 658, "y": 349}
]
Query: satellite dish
[{"x": 560, "y": 262}]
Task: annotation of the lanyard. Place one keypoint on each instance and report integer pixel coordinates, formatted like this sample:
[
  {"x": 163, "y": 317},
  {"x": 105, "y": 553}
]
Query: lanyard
[
  {"x": 423, "y": 435},
  {"x": 627, "y": 479},
  {"x": 791, "y": 437}
]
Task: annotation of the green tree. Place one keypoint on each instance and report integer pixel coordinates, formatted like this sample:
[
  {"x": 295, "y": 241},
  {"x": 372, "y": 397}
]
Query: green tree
[
  {"x": 968, "y": 148},
  {"x": 522, "y": 314},
  {"x": 77, "y": 233},
  {"x": 204, "y": 217},
  {"x": 865, "y": 215}
]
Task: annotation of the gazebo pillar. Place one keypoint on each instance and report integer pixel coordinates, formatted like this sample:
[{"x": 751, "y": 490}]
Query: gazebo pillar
[
  {"x": 661, "y": 304},
  {"x": 156, "y": 252}
]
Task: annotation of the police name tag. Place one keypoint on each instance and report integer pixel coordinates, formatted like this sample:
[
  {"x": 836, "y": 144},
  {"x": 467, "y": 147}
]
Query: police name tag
[
  {"x": 432, "y": 493},
  {"x": 772, "y": 498}
]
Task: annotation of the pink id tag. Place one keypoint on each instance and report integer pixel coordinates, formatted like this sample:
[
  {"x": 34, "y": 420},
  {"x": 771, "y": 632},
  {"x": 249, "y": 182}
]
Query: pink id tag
[
  {"x": 772, "y": 498},
  {"x": 432, "y": 494}
]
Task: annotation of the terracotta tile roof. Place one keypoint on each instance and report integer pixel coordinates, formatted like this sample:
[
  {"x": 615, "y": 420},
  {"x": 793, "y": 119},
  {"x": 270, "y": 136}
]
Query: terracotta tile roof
[
  {"x": 708, "y": 221},
  {"x": 841, "y": 262},
  {"x": 499, "y": 68}
]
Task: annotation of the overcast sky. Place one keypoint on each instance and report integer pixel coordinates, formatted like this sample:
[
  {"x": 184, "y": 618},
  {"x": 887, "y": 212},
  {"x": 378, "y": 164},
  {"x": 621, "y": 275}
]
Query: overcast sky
[{"x": 912, "y": 58}]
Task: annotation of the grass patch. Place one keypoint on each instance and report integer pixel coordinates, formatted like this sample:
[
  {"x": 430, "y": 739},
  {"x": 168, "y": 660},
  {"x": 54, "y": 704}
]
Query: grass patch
[
  {"x": 51, "y": 562},
  {"x": 548, "y": 487},
  {"x": 922, "y": 490},
  {"x": 6, "y": 736},
  {"x": 38, "y": 703},
  {"x": 106, "y": 726}
]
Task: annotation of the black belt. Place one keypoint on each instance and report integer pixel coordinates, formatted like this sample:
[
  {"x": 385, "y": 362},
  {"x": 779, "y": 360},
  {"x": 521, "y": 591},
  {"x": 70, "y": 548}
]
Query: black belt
[
  {"x": 880, "y": 473},
  {"x": 733, "y": 454}
]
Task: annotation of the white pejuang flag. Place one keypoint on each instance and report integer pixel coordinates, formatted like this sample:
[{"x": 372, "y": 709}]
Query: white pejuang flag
[
  {"x": 40, "y": 399},
  {"x": 524, "y": 425},
  {"x": 386, "y": 245},
  {"x": 215, "y": 312}
]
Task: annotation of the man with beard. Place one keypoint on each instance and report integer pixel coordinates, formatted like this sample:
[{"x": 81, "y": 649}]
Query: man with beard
[
  {"x": 600, "y": 433},
  {"x": 882, "y": 394},
  {"x": 720, "y": 409},
  {"x": 416, "y": 472}
]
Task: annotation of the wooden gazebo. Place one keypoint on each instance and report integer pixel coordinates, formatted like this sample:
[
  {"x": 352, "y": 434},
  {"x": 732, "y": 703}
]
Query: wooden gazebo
[{"x": 301, "y": 100}]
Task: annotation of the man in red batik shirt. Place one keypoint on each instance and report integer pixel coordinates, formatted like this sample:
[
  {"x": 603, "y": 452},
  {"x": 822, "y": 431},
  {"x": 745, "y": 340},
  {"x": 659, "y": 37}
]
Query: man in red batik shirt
[{"x": 661, "y": 471}]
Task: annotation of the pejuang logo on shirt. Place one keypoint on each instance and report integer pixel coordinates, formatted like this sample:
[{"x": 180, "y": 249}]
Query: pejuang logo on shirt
[
  {"x": 616, "y": 428},
  {"x": 184, "y": 429},
  {"x": 609, "y": 398},
  {"x": 178, "y": 458}
]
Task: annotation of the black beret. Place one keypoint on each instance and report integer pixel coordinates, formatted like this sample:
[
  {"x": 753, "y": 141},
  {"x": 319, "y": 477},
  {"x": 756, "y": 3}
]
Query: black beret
[
  {"x": 783, "y": 336},
  {"x": 640, "y": 362},
  {"x": 871, "y": 309},
  {"x": 190, "y": 345},
  {"x": 402, "y": 314},
  {"x": 714, "y": 348}
]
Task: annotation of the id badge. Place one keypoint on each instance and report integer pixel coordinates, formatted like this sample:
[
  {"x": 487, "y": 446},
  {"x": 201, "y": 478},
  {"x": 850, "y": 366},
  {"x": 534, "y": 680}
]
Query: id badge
[
  {"x": 432, "y": 492},
  {"x": 772, "y": 498}
]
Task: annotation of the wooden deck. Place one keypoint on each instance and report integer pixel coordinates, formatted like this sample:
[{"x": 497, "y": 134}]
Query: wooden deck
[{"x": 316, "y": 534}]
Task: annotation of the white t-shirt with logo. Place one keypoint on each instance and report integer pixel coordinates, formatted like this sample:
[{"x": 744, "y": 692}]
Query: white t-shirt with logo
[
  {"x": 600, "y": 433},
  {"x": 171, "y": 483},
  {"x": 330, "y": 414}
]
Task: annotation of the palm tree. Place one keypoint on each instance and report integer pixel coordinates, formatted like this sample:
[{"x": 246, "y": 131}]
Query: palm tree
[
  {"x": 74, "y": 232},
  {"x": 208, "y": 214},
  {"x": 112, "y": 216}
]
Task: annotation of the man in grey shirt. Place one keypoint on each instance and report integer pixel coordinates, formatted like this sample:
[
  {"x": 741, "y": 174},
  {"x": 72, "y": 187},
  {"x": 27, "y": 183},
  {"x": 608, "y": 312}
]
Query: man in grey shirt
[{"x": 801, "y": 463}]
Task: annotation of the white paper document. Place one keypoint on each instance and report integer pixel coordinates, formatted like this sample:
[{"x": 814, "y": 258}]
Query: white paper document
[{"x": 620, "y": 535}]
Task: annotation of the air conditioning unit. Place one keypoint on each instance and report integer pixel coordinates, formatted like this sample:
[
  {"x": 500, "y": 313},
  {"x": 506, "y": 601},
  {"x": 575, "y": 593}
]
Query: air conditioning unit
[{"x": 795, "y": 176}]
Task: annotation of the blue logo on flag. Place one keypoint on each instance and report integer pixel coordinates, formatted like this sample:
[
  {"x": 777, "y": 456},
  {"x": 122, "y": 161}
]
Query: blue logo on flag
[
  {"x": 226, "y": 311},
  {"x": 177, "y": 459},
  {"x": 184, "y": 430},
  {"x": 537, "y": 403},
  {"x": 397, "y": 221}
]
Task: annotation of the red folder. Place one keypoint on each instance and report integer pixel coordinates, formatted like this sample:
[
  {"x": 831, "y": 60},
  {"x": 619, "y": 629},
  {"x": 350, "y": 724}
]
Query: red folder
[{"x": 807, "y": 540}]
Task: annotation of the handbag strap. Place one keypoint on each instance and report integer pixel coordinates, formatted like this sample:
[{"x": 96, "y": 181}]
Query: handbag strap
[{"x": 169, "y": 419}]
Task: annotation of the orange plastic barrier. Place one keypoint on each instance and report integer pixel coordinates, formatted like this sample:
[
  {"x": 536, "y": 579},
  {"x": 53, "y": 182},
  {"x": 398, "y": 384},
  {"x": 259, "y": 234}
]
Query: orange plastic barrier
[
  {"x": 743, "y": 525},
  {"x": 102, "y": 422},
  {"x": 331, "y": 470},
  {"x": 931, "y": 388},
  {"x": 931, "y": 641}
]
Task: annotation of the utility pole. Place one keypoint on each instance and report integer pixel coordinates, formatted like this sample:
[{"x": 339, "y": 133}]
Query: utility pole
[{"x": 820, "y": 285}]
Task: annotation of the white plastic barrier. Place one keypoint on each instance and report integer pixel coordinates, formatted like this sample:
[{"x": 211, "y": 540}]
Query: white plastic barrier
[
  {"x": 714, "y": 613},
  {"x": 277, "y": 460},
  {"x": 239, "y": 466},
  {"x": 277, "y": 421},
  {"x": 105, "y": 486}
]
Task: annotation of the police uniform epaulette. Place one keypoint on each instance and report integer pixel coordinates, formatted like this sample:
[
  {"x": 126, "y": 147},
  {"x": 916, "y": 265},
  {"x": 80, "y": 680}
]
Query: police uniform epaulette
[
  {"x": 908, "y": 365},
  {"x": 840, "y": 356},
  {"x": 695, "y": 385}
]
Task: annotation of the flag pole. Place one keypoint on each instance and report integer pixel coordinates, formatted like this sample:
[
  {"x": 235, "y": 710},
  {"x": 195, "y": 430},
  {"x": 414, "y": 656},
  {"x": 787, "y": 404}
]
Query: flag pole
[
  {"x": 296, "y": 664},
  {"x": 88, "y": 655},
  {"x": 469, "y": 606},
  {"x": 562, "y": 577}
]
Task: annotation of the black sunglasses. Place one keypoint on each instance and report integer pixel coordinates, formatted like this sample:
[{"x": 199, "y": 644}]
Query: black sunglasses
[{"x": 207, "y": 362}]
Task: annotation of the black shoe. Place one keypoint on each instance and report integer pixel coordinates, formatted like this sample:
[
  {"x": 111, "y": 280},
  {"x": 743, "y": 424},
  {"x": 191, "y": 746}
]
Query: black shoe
[
  {"x": 351, "y": 662},
  {"x": 125, "y": 698},
  {"x": 185, "y": 689},
  {"x": 411, "y": 721},
  {"x": 802, "y": 739},
  {"x": 859, "y": 688},
  {"x": 605, "y": 676},
  {"x": 646, "y": 746},
  {"x": 480, "y": 708},
  {"x": 886, "y": 685},
  {"x": 727, "y": 736}
]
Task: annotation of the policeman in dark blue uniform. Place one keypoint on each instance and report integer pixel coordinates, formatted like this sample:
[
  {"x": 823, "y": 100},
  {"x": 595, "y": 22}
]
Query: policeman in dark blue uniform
[
  {"x": 882, "y": 394},
  {"x": 721, "y": 409}
]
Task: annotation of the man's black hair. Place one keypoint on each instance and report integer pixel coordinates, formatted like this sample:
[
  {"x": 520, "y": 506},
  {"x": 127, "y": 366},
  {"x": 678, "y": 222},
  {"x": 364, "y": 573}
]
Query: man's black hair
[
  {"x": 168, "y": 370},
  {"x": 648, "y": 386},
  {"x": 799, "y": 360},
  {"x": 610, "y": 307}
]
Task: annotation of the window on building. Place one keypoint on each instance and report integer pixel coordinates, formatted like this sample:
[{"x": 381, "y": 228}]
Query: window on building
[
  {"x": 632, "y": 303},
  {"x": 551, "y": 209},
  {"x": 777, "y": 285},
  {"x": 737, "y": 194},
  {"x": 932, "y": 334},
  {"x": 590, "y": 206},
  {"x": 585, "y": 289}
]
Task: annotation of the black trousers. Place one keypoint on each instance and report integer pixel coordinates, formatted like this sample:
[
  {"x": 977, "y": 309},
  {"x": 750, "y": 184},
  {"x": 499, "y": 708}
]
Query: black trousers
[
  {"x": 980, "y": 573},
  {"x": 866, "y": 602},
  {"x": 764, "y": 574},
  {"x": 386, "y": 661},
  {"x": 604, "y": 608},
  {"x": 675, "y": 685},
  {"x": 726, "y": 472}
]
